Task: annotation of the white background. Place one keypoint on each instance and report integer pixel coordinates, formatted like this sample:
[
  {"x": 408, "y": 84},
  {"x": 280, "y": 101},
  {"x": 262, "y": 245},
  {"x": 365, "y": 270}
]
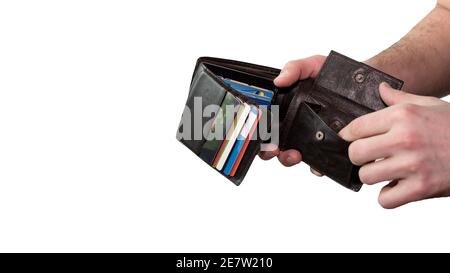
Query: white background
[{"x": 91, "y": 93}]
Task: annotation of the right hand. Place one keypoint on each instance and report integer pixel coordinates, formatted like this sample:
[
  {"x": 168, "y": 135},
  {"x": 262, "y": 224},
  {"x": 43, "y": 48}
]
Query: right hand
[{"x": 292, "y": 72}]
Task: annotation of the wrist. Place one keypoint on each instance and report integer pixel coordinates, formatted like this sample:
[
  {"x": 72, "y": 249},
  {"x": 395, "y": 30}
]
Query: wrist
[{"x": 389, "y": 64}]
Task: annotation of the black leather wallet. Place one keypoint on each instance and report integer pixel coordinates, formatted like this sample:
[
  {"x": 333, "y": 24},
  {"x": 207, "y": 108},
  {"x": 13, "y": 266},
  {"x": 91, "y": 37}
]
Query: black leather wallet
[{"x": 311, "y": 111}]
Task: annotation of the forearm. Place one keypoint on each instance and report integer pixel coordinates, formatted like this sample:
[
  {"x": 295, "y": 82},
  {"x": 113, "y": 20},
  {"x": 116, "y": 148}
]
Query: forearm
[{"x": 422, "y": 57}]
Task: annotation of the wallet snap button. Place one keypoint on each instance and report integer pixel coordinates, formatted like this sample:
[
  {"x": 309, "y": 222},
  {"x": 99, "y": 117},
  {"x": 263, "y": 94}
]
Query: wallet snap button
[
  {"x": 359, "y": 77},
  {"x": 336, "y": 125},
  {"x": 319, "y": 135}
]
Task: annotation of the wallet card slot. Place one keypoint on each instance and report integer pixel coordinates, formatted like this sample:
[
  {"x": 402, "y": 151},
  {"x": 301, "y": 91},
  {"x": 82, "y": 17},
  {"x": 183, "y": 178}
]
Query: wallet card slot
[
  {"x": 205, "y": 93},
  {"x": 208, "y": 83},
  {"x": 244, "y": 162},
  {"x": 243, "y": 76},
  {"x": 218, "y": 73},
  {"x": 254, "y": 144},
  {"x": 253, "y": 149},
  {"x": 208, "y": 150},
  {"x": 247, "y": 160}
]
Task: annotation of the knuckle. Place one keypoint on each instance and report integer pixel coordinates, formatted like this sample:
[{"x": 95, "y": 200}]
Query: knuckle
[
  {"x": 365, "y": 175},
  {"x": 411, "y": 140},
  {"x": 318, "y": 59},
  {"x": 408, "y": 138},
  {"x": 354, "y": 152},
  {"x": 406, "y": 112},
  {"x": 417, "y": 165},
  {"x": 291, "y": 64},
  {"x": 356, "y": 127}
]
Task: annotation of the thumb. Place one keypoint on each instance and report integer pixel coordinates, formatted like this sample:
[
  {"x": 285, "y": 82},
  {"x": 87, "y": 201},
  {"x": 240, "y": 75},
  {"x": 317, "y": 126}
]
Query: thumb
[
  {"x": 393, "y": 96},
  {"x": 299, "y": 70}
]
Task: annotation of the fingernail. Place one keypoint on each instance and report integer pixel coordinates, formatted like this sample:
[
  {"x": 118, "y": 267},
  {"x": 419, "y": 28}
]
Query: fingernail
[
  {"x": 270, "y": 147},
  {"x": 316, "y": 172},
  {"x": 290, "y": 161},
  {"x": 385, "y": 85},
  {"x": 282, "y": 74}
]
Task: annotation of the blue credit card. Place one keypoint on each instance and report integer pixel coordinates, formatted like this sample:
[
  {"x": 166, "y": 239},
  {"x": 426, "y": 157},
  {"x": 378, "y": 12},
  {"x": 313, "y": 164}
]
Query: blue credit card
[
  {"x": 245, "y": 131},
  {"x": 259, "y": 95}
]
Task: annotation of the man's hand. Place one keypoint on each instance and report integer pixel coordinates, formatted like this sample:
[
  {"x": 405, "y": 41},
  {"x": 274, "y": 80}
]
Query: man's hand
[
  {"x": 292, "y": 72},
  {"x": 408, "y": 143}
]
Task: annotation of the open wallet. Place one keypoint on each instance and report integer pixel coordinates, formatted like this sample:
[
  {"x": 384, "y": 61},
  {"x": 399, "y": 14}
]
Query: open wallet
[{"x": 230, "y": 101}]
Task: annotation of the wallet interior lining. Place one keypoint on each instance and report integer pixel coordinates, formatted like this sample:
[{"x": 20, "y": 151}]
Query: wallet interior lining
[{"x": 260, "y": 79}]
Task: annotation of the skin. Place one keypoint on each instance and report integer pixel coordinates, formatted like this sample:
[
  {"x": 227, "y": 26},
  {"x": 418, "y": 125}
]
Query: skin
[{"x": 407, "y": 143}]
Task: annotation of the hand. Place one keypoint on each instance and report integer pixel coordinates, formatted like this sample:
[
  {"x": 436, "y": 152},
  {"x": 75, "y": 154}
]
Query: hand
[
  {"x": 408, "y": 143},
  {"x": 292, "y": 72}
]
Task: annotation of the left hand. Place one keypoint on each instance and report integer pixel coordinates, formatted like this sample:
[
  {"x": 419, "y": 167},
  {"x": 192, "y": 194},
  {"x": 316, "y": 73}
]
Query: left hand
[
  {"x": 293, "y": 71},
  {"x": 408, "y": 143}
]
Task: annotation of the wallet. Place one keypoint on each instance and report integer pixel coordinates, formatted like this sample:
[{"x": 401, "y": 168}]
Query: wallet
[{"x": 310, "y": 113}]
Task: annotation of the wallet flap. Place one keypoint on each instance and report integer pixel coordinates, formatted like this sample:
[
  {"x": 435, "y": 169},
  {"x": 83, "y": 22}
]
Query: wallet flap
[{"x": 354, "y": 80}]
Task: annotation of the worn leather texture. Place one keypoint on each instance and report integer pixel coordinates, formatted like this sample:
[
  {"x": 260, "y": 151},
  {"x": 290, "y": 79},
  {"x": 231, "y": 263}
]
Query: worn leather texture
[
  {"x": 312, "y": 111},
  {"x": 317, "y": 109}
]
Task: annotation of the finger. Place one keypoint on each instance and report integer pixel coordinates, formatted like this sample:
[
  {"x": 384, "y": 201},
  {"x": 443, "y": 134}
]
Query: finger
[
  {"x": 299, "y": 70},
  {"x": 270, "y": 152},
  {"x": 399, "y": 193},
  {"x": 371, "y": 124},
  {"x": 316, "y": 173},
  {"x": 370, "y": 149},
  {"x": 381, "y": 121},
  {"x": 290, "y": 157},
  {"x": 391, "y": 168},
  {"x": 393, "y": 96}
]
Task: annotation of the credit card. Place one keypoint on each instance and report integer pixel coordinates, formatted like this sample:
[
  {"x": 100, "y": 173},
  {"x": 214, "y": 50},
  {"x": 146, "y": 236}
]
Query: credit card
[
  {"x": 231, "y": 136},
  {"x": 219, "y": 128},
  {"x": 239, "y": 148},
  {"x": 244, "y": 147},
  {"x": 259, "y": 95}
]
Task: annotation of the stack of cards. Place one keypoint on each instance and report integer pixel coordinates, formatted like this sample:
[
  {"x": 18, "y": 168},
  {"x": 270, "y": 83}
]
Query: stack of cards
[{"x": 233, "y": 127}]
